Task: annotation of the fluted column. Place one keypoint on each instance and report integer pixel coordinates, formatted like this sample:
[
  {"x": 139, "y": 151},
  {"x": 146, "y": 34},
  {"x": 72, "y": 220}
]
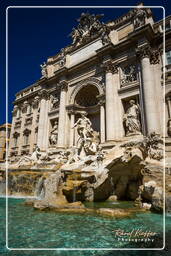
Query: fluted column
[
  {"x": 149, "y": 91},
  {"x": 62, "y": 115},
  {"x": 42, "y": 139}
]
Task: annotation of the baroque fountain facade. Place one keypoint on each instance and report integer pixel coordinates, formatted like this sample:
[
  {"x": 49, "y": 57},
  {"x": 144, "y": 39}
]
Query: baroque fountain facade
[{"x": 90, "y": 129}]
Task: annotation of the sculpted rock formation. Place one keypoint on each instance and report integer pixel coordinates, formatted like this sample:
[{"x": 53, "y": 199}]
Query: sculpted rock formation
[{"x": 117, "y": 173}]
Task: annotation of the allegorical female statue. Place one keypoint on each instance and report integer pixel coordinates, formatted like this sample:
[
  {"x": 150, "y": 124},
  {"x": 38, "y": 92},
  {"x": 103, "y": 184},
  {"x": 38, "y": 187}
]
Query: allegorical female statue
[
  {"x": 54, "y": 134},
  {"x": 131, "y": 119}
]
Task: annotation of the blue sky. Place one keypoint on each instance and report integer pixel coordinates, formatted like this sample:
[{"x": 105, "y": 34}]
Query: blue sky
[{"x": 36, "y": 34}]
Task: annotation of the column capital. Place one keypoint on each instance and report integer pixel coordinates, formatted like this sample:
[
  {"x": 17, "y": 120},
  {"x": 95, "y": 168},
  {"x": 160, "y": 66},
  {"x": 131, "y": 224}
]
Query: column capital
[
  {"x": 63, "y": 85},
  {"x": 24, "y": 106},
  {"x": 154, "y": 57},
  {"x": 44, "y": 94},
  {"x": 147, "y": 52},
  {"x": 143, "y": 52},
  {"x": 35, "y": 102},
  {"x": 109, "y": 67}
]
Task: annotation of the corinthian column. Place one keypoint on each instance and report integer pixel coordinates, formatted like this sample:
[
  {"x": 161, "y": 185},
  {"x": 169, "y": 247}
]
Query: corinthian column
[
  {"x": 62, "y": 115},
  {"x": 71, "y": 141},
  {"x": 113, "y": 114},
  {"x": 156, "y": 66},
  {"x": 42, "y": 139},
  {"x": 149, "y": 92},
  {"x": 102, "y": 118},
  {"x": 168, "y": 101}
]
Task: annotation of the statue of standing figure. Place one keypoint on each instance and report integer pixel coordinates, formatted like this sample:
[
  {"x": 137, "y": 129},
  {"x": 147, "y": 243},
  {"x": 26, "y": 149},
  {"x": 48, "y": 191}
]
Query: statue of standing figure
[
  {"x": 85, "y": 131},
  {"x": 139, "y": 18},
  {"x": 131, "y": 119},
  {"x": 54, "y": 134},
  {"x": 43, "y": 70}
]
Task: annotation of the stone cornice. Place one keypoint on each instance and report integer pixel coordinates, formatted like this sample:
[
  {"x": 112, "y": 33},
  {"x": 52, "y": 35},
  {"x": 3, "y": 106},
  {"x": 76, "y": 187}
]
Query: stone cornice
[{"x": 26, "y": 97}]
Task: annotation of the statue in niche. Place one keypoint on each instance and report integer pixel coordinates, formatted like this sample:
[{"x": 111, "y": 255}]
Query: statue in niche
[
  {"x": 131, "y": 119},
  {"x": 85, "y": 144},
  {"x": 139, "y": 18},
  {"x": 54, "y": 134},
  {"x": 43, "y": 70},
  {"x": 54, "y": 102}
]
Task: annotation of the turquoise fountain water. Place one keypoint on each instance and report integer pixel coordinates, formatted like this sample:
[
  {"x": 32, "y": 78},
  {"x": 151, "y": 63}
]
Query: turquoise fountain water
[{"x": 29, "y": 228}]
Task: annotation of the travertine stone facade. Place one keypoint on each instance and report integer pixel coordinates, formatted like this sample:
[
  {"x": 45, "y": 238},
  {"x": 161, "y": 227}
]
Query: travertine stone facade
[
  {"x": 5, "y": 130},
  {"x": 112, "y": 71}
]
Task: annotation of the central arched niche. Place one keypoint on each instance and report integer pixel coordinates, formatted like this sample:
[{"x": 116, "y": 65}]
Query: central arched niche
[{"x": 86, "y": 98}]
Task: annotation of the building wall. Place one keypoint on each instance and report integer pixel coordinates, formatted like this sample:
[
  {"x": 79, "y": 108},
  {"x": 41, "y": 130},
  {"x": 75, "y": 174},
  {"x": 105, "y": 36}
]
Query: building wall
[
  {"x": 107, "y": 68},
  {"x": 4, "y": 140}
]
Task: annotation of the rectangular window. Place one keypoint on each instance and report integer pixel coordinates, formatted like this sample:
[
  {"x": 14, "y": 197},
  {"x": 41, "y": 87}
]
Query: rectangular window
[
  {"x": 29, "y": 109},
  {"x": 26, "y": 139},
  {"x": 168, "y": 57},
  {"x": 15, "y": 141}
]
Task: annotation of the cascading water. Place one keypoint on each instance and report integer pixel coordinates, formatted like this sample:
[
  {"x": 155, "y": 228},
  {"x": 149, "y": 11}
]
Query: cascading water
[
  {"x": 39, "y": 190},
  {"x": 74, "y": 195}
]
